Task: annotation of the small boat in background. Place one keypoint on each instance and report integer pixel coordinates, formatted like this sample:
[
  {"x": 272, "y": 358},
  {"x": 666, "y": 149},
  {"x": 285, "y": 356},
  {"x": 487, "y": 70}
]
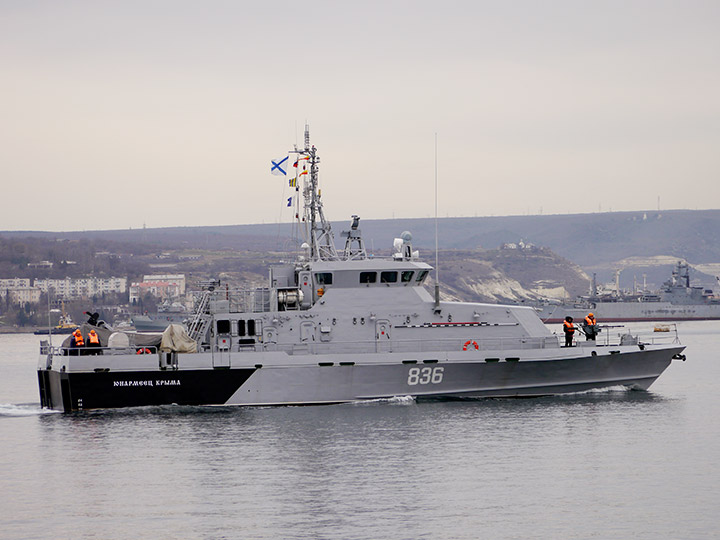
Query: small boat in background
[{"x": 64, "y": 326}]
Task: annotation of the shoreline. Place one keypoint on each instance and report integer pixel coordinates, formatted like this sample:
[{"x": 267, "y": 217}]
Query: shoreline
[{"x": 20, "y": 329}]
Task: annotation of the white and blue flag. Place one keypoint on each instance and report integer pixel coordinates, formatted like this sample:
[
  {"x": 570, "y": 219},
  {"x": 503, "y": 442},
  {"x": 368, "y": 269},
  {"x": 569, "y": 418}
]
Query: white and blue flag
[{"x": 279, "y": 167}]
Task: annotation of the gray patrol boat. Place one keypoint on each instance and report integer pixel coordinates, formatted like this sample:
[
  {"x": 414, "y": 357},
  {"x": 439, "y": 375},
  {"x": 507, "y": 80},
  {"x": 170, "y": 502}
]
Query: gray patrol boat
[{"x": 338, "y": 326}]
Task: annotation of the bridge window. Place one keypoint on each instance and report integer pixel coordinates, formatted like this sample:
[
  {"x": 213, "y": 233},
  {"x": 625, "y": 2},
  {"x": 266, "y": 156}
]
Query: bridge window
[
  {"x": 248, "y": 328},
  {"x": 368, "y": 277},
  {"x": 323, "y": 278},
  {"x": 388, "y": 277},
  {"x": 407, "y": 276},
  {"x": 421, "y": 276},
  {"x": 223, "y": 327}
]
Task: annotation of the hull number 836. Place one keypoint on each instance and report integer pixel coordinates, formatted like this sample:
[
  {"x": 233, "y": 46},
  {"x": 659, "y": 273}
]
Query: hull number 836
[{"x": 425, "y": 375}]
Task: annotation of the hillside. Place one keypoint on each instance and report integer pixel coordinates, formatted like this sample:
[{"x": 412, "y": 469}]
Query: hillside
[
  {"x": 644, "y": 245},
  {"x": 584, "y": 238},
  {"x": 509, "y": 275}
]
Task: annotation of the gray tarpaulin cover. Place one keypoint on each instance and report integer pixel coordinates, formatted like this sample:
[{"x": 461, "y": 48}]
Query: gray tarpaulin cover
[{"x": 176, "y": 339}]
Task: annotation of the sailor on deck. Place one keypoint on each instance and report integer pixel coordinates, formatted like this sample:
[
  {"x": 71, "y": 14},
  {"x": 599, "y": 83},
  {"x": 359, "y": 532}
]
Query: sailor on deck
[
  {"x": 569, "y": 329},
  {"x": 590, "y": 327},
  {"x": 76, "y": 342},
  {"x": 94, "y": 342}
]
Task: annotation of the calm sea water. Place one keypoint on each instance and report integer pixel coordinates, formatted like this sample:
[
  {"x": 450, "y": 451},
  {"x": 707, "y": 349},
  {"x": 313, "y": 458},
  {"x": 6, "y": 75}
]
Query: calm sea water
[{"x": 613, "y": 464}]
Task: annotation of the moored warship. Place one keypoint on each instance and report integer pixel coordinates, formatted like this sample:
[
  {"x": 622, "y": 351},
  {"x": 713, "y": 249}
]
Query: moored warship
[
  {"x": 158, "y": 322},
  {"x": 338, "y": 326},
  {"x": 676, "y": 300}
]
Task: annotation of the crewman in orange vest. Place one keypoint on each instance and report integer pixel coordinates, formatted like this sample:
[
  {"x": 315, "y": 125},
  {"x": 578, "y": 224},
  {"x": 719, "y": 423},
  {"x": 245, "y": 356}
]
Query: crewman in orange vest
[
  {"x": 94, "y": 342},
  {"x": 76, "y": 342},
  {"x": 569, "y": 329},
  {"x": 590, "y": 327}
]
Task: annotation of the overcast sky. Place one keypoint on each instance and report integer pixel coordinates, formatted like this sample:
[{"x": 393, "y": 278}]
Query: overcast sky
[{"x": 165, "y": 113}]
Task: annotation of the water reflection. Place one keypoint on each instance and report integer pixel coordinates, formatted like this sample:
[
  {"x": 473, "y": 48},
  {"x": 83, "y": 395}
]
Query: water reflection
[{"x": 397, "y": 468}]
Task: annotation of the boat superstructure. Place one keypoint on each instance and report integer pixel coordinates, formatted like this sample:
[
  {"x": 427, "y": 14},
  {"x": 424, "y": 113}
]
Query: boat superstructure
[{"x": 338, "y": 325}]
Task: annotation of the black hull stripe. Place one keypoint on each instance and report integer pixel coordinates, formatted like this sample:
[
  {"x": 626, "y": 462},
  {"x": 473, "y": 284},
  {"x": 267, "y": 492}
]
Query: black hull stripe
[{"x": 134, "y": 389}]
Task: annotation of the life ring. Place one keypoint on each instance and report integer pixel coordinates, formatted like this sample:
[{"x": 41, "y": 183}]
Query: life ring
[
  {"x": 144, "y": 351},
  {"x": 470, "y": 342}
]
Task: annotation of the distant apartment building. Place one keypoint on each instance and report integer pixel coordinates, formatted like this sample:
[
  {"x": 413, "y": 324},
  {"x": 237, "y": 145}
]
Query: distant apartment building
[
  {"x": 19, "y": 291},
  {"x": 21, "y": 295},
  {"x": 162, "y": 286},
  {"x": 8, "y": 283},
  {"x": 82, "y": 287},
  {"x": 178, "y": 279}
]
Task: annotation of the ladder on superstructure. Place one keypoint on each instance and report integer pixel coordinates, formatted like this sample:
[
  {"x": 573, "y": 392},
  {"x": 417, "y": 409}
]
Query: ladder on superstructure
[{"x": 199, "y": 325}]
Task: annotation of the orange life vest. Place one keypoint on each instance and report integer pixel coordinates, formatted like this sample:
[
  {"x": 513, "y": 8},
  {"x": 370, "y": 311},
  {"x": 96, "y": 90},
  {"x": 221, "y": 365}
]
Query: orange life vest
[
  {"x": 590, "y": 320},
  {"x": 569, "y": 327},
  {"x": 93, "y": 338},
  {"x": 79, "y": 341}
]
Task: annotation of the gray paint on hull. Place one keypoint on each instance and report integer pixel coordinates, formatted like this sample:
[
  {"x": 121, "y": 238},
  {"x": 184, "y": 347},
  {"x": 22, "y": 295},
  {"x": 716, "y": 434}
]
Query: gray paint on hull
[{"x": 332, "y": 384}]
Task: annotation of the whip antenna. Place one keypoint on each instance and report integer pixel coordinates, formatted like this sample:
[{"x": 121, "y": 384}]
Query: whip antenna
[{"x": 437, "y": 265}]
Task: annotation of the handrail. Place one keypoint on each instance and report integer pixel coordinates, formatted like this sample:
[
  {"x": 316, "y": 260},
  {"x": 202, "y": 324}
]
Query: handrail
[
  {"x": 414, "y": 345},
  {"x": 247, "y": 300},
  {"x": 498, "y": 344},
  {"x": 93, "y": 351}
]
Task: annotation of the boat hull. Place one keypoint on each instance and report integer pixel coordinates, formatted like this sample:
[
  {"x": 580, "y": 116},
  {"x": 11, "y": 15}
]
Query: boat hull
[
  {"x": 103, "y": 390},
  {"x": 279, "y": 379},
  {"x": 55, "y": 331}
]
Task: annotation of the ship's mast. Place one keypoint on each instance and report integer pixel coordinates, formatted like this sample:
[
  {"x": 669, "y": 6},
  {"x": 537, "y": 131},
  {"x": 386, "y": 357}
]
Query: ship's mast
[{"x": 317, "y": 228}]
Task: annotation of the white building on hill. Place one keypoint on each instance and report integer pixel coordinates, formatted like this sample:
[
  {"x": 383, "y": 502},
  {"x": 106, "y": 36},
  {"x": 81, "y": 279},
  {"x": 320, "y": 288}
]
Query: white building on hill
[
  {"x": 161, "y": 286},
  {"x": 82, "y": 287}
]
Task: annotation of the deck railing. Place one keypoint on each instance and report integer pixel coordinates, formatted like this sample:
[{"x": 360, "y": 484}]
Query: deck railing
[
  {"x": 257, "y": 300},
  {"x": 91, "y": 351},
  {"x": 414, "y": 346}
]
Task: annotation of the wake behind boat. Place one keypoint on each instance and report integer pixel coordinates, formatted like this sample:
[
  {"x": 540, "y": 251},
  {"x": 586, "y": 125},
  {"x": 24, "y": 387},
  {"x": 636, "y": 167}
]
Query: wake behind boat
[{"x": 338, "y": 326}]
